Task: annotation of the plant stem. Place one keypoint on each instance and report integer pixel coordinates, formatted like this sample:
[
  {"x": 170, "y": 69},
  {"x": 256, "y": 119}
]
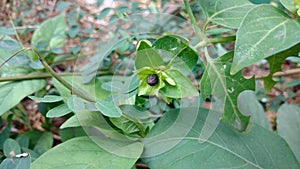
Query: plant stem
[
  {"x": 193, "y": 20},
  {"x": 62, "y": 81},
  {"x": 284, "y": 73},
  {"x": 35, "y": 76},
  {"x": 214, "y": 41}
]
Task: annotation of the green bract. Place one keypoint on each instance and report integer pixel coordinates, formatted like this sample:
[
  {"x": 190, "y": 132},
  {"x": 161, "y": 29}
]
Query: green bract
[
  {"x": 178, "y": 57},
  {"x": 145, "y": 88}
]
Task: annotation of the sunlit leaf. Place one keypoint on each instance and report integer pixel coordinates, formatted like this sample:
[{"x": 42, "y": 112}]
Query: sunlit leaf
[
  {"x": 228, "y": 13},
  {"x": 255, "y": 38},
  {"x": 218, "y": 81},
  {"x": 12, "y": 93},
  {"x": 146, "y": 56}
]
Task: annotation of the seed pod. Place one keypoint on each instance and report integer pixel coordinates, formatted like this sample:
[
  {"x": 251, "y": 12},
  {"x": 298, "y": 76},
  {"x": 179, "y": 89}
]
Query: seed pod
[{"x": 152, "y": 79}]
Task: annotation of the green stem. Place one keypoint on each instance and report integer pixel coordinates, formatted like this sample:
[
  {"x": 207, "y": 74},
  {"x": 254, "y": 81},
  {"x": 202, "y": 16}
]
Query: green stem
[
  {"x": 35, "y": 76},
  {"x": 214, "y": 41},
  {"x": 193, "y": 20},
  {"x": 62, "y": 81}
]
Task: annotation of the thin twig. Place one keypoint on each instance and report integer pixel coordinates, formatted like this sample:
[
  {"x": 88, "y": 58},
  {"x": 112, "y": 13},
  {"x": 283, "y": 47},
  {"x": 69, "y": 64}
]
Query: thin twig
[{"x": 284, "y": 73}]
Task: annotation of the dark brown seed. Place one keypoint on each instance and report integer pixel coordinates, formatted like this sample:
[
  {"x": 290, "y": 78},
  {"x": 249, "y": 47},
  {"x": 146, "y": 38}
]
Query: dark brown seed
[{"x": 152, "y": 79}]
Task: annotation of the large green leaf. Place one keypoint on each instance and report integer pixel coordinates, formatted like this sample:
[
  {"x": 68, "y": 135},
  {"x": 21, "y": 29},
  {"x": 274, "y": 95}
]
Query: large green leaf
[
  {"x": 248, "y": 104},
  {"x": 84, "y": 152},
  {"x": 288, "y": 126},
  {"x": 275, "y": 63},
  {"x": 228, "y": 13},
  {"x": 51, "y": 34},
  {"x": 261, "y": 28},
  {"x": 146, "y": 56},
  {"x": 226, "y": 148},
  {"x": 178, "y": 49},
  {"x": 11, "y": 93},
  {"x": 218, "y": 81}
]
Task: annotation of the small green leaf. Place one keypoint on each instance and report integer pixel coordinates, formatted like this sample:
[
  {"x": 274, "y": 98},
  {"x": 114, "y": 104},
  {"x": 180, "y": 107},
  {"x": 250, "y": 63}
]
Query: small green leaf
[
  {"x": 126, "y": 125},
  {"x": 11, "y": 93},
  {"x": 71, "y": 122},
  {"x": 23, "y": 140},
  {"x": 290, "y": 5},
  {"x": 51, "y": 32},
  {"x": 44, "y": 143},
  {"x": 146, "y": 56},
  {"x": 47, "y": 98},
  {"x": 108, "y": 108},
  {"x": 58, "y": 111},
  {"x": 16, "y": 163},
  {"x": 256, "y": 36},
  {"x": 87, "y": 152},
  {"x": 288, "y": 126},
  {"x": 11, "y": 148},
  {"x": 228, "y": 13}
]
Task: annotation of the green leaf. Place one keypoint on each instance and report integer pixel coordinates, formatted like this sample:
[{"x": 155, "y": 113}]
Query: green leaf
[
  {"x": 71, "y": 132},
  {"x": 84, "y": 152},
  {"x": 126, "y": 125},
  {"x": 248, "y": 105},
  {"x": 177, "y": 49},
  {"x": 16, "y": 163},
  {"x": 58, "y": 111},
  {"x": 288, "y": 126},
  {"x": 289, "y": 4},
  {"x": 23, "y": 140},
  {"x": 71, "y": 122},
  {"x": 226, "y": 148},
  {"x": 11, "y": 148},
  {"x": 11, "y": 93},
  {"x": 44, "y": 143},
  {"x": 47, "y": 98},
  {"x": 50, "y": 33},
  {"x": 183, "y": 86},
  {"x": 8, "y": 47},
  {"x": 228, "y": 13},
  {"x": 92, "y": 89},
  {"x": 275, "y": 63},
  {"x": 256, "y": 36},
  {"x": 218, "y": 81},
  {"x": 146, "y": 56},
  {"x": 108, "y": 108},
  {"x": 6, "y": 31}
]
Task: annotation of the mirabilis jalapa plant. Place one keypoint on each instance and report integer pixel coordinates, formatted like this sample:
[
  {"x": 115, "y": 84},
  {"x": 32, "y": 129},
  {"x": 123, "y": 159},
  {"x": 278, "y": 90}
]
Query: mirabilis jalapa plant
[{"x": 161, "y": 78}]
